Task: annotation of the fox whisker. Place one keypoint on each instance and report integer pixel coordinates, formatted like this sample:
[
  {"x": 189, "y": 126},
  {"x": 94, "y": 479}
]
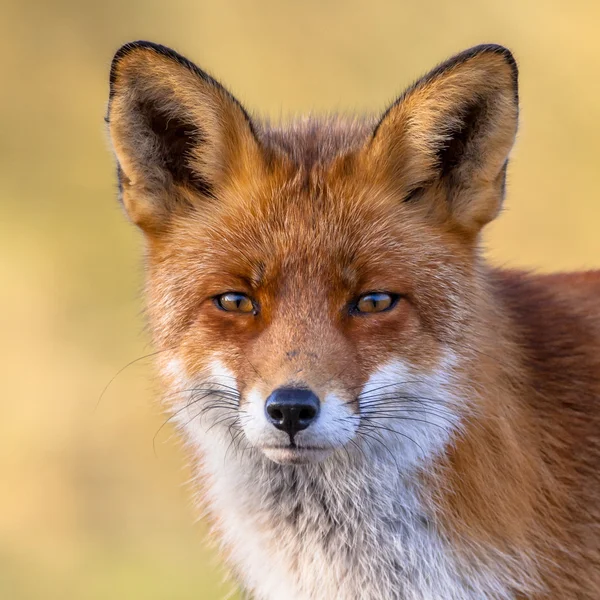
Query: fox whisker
[
  {"x": 122, "y": 369},
  {"x": 377, "y": 427}
]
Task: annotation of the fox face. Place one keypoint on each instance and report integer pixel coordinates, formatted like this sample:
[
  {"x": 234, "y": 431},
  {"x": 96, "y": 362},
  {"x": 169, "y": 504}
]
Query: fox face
[
  {"x": 315, "y": 326},
  {"x": 315, "y": 289}
]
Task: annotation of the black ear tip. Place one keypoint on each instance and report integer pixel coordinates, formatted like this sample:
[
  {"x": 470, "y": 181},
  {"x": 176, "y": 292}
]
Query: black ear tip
[
  {"x": 502, "y": 51},
  {"x": 159, "y": 49},
  {"x": 499, "y": 50},
  {"x": 130, "y": 47},
  {"x": 473, "y": 53},
  {"x": 123, "y": 51},
  {"x": 166, "y": 52}
]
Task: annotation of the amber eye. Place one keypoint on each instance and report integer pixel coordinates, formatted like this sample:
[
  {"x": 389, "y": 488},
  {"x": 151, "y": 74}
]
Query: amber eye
[
  {"x": 235, "y": 302},
  {"x": 375, "y": 302}
]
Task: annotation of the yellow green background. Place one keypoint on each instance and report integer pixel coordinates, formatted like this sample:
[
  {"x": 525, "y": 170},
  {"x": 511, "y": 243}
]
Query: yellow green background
[{"x": 88, "y": 509}]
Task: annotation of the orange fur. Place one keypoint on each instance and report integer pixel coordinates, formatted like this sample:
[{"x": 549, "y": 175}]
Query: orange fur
[{"x": 305, "y": 219}]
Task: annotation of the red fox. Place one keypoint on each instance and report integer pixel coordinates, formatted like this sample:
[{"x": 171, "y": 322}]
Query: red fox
[{"x": 372, "y": 411}]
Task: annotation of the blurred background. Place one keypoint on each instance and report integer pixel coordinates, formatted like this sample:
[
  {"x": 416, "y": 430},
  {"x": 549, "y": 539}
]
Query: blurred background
[{"x": 93, "y": 502}]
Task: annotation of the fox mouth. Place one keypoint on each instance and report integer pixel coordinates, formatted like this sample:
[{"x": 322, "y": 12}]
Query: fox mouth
[{"x": 296, "y": 455}]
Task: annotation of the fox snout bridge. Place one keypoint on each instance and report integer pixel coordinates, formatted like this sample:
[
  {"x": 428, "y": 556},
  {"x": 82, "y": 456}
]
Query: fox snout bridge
[{"x": 292, "y": 409}]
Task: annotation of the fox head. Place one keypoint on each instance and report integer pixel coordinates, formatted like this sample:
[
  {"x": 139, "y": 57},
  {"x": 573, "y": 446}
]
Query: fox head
[{"x": 317, "y": 288}]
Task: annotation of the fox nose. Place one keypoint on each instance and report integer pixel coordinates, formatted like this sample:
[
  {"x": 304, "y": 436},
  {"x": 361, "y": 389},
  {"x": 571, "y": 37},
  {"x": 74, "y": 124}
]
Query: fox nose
[{"x": 292, "y": 409}]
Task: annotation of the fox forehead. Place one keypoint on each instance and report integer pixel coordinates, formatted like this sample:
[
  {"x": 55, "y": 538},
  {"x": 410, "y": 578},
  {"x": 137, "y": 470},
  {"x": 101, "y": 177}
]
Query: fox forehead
[
  {"x": 310, "y": 250},
  {"x": 311, "y": 222},
  {"x": 305, "y": 244}
]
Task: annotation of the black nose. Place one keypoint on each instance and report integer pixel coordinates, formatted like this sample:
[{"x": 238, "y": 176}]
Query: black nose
[{"x": 292, "y": 409}]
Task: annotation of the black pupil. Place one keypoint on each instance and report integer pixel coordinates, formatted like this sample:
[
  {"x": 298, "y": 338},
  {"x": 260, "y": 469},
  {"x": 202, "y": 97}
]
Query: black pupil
[
  {"x": 236, "y": 299},
  {"x": 375, "y": 300},
  {"x": 236, "y": 302}
]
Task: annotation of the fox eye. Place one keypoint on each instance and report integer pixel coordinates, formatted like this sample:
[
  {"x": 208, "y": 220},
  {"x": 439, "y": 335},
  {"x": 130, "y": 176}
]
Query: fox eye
[
  {"x": 235, "y": 302},
  {"x": 375, "y": 302}
]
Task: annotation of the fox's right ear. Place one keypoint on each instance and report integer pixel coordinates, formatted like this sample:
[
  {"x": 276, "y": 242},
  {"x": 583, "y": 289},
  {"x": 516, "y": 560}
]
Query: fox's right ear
[
  {"x": 447, "y": 139},
  {"x": 178, "y": 135}
]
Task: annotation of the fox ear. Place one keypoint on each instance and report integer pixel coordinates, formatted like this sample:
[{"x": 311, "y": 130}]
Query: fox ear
[
  {"x": 446, "y": 140},
  {"x": 178, "y": 135}
]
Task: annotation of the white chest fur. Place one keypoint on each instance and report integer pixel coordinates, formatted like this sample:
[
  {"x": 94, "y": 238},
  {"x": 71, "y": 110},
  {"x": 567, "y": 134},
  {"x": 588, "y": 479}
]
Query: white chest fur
[
  {"x": 314, "y": 532},
  {"x": 357, "y": 525}
]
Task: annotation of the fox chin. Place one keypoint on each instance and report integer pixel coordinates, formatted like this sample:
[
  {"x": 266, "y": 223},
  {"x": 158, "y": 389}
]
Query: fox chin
[{"x": 372, "y": 411}]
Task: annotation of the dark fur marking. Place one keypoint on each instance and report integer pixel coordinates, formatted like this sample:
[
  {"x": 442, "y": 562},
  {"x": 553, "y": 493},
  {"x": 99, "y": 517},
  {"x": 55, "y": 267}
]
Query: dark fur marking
[
  {"x": 416, "y": 193},
  {"x": 175, "y": 137},
  {"x": 451, "y": 154},
  {"x": 502, "y": 180},
  {"x": 120, "y": 176}
]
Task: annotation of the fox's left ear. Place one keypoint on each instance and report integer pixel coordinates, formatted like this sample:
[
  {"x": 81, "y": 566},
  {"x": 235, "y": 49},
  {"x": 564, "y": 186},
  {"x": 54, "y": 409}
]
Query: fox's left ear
[
  {"x": 445, "y": 142},
  {"x": 178, "y": 135}
]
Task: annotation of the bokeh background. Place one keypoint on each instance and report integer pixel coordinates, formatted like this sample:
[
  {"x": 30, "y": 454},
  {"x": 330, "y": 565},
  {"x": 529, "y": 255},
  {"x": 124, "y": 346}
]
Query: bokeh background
[{"x": 91, "y": 505}]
